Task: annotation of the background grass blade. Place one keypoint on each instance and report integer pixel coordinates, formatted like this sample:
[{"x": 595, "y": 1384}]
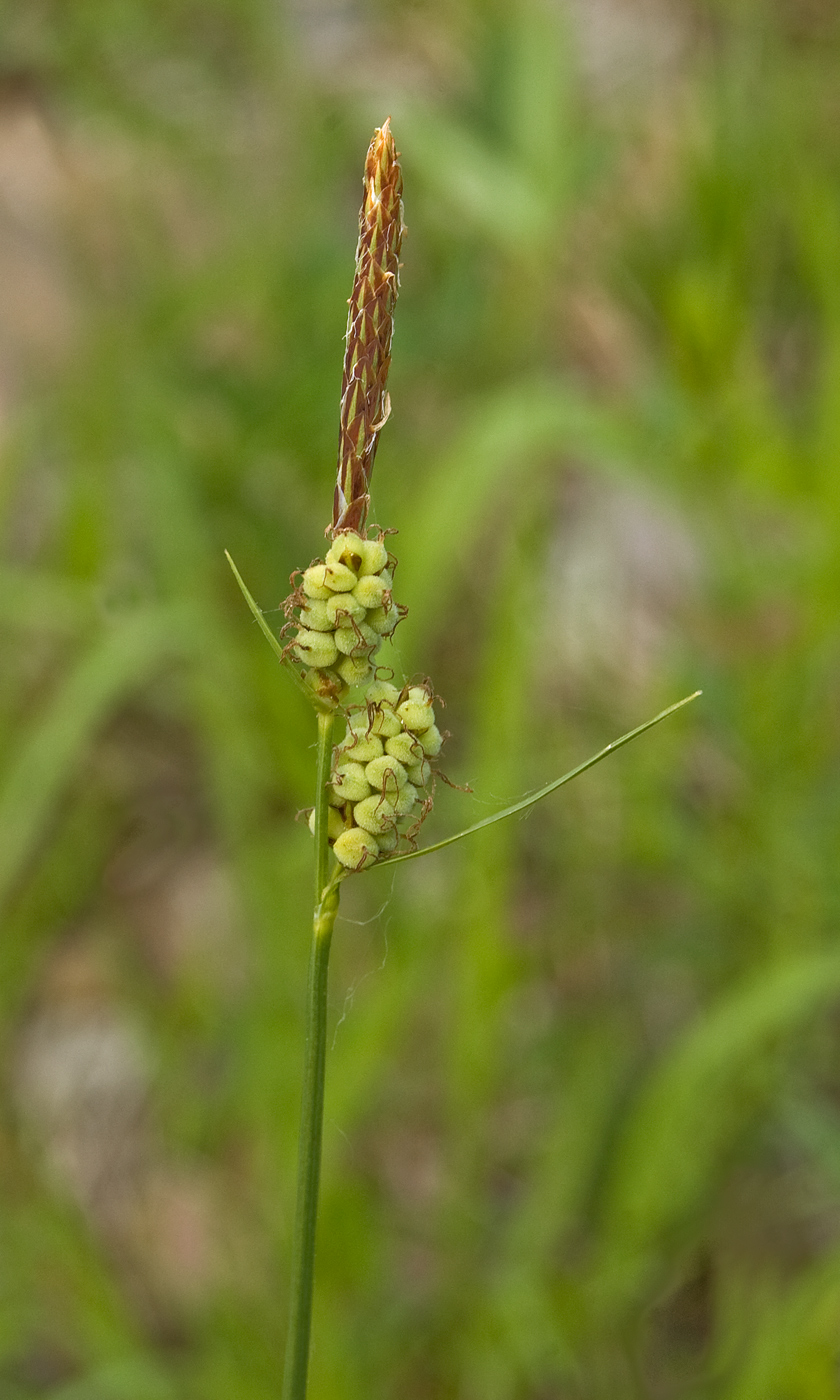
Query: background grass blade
[
  {"x": 52, "y": 748},
  {"x": 699, "y": 1095}
]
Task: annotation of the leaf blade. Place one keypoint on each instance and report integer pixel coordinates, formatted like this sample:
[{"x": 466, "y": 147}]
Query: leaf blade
[{"x": 526, "y": 802}]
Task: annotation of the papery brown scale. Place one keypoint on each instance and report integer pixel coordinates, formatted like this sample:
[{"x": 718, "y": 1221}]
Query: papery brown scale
[{"x": 364, "y": 399}]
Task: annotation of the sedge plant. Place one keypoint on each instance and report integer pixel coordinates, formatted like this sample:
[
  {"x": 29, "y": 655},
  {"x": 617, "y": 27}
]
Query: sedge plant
[{"x": 375, "y": 787}]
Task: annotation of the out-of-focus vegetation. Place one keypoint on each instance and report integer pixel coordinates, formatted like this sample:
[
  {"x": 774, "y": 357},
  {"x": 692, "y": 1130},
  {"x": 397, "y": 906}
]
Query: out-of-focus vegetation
[{"x": 583, "y": 1112}]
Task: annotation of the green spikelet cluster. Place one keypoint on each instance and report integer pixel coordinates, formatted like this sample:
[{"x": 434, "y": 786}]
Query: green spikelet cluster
[
  {"x": 382, "y": 779},
  {"x": 340, "y": 612}
]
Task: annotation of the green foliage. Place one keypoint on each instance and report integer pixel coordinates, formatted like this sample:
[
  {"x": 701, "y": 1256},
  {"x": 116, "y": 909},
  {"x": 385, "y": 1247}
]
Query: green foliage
[{"x": 581, "y": 1130}]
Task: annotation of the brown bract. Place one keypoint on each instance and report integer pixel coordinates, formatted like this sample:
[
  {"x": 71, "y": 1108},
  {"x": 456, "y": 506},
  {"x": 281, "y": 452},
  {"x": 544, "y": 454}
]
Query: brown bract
[{"x": 364, "y": 399}]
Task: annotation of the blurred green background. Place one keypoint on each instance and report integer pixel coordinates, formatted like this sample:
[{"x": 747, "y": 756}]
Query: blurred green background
[{"x": 583, "y": 1112}]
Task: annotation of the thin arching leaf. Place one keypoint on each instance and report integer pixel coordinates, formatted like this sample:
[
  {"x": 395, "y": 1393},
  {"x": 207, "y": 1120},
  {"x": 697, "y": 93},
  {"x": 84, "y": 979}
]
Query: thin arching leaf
[
  {"x": 272, "y": 640},
  {"x": 534, "y": 797}
]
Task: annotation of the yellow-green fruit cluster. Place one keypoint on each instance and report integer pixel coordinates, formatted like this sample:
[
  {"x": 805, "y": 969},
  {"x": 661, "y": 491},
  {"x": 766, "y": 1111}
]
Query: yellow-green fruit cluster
[
  {"x": 381, "y": 775},
  {"x": 344, "y": 609}
]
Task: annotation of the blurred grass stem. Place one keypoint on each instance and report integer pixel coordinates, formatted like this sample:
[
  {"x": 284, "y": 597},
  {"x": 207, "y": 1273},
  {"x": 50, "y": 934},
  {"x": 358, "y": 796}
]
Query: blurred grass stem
[{"x": 312, "y": 1102}]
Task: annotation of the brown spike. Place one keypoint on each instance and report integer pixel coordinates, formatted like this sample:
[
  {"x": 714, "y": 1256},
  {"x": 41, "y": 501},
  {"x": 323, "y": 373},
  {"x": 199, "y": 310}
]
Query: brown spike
[{"x": 364, "y": 400}]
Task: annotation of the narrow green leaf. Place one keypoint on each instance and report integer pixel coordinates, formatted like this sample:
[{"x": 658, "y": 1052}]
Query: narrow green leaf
[
  {"x": 695, "y": 1096},
  {"x": 550, "y": 787},
  {"x": 273, "y": 642},
  {"x": 258, "y": 614}
]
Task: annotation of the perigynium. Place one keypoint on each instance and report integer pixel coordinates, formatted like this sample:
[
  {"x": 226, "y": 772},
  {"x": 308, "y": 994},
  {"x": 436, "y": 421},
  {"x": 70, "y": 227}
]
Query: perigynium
[{"x": 375, "y": 787}]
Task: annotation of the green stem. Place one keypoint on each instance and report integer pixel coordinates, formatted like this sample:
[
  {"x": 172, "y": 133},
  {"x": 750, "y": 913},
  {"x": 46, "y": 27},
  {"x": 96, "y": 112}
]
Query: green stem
[{"x": 312, "y": 1103}]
